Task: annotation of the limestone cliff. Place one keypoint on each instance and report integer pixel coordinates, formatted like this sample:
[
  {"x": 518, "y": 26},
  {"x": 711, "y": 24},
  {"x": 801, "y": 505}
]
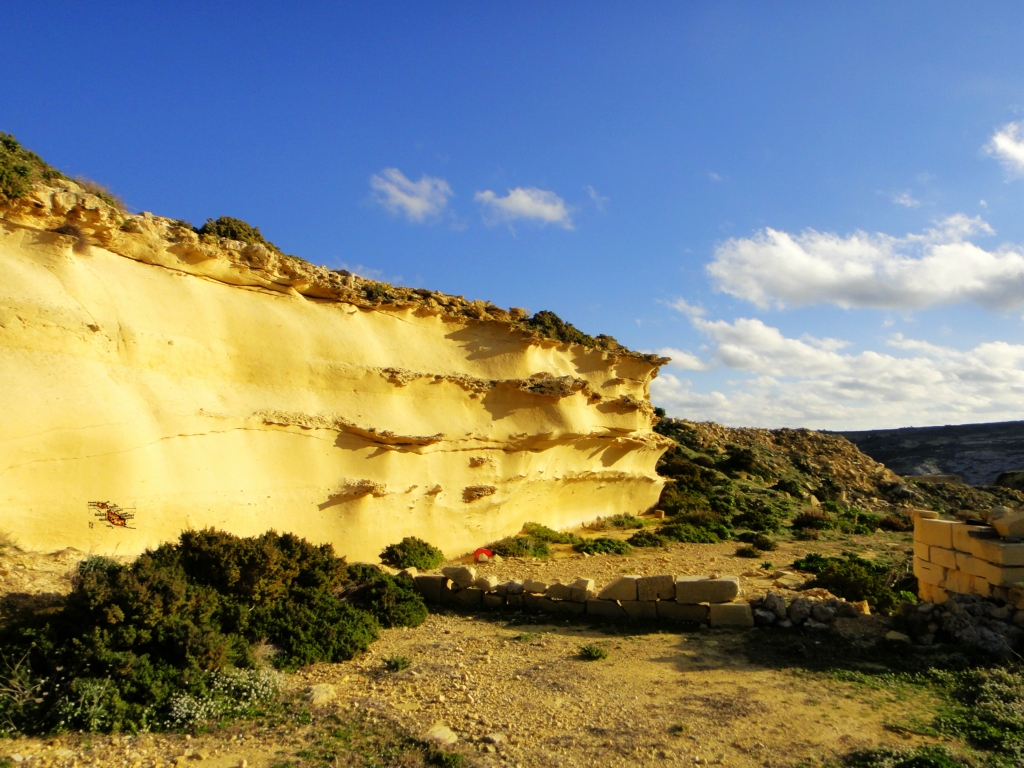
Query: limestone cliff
[{"x": 154, "y": 379}]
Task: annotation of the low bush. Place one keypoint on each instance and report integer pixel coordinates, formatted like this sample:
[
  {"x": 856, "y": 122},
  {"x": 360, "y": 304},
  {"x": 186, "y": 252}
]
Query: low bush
[
  {"x": 397, "y": 663},
  {"x": 603, "y": 546},
  {"x": 593, "y": 653},
  {"x": 235, "y": 229},
  {"x": 854, "y": 578},
  {"x": 626, "y": 521},
  {"x": 520, "y": 546},
  {"x": 550, "y": 535},
  {"x": 748, "y": 551},
  {"x": 177, "y": 635},
  {"x": 897, "y": 522},
  {"x": 688, "y": 534},
  {"x": 646, "y": 539},
  {"x": 814, "y": 520},
  {"x": 758, "y": 541},
  {"x": 20, "y": 169},
  {"x": 411, "y": 552},
  {"x": 928, "y": 756}
]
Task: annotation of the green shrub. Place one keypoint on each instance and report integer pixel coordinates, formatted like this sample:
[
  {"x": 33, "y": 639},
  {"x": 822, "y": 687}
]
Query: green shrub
[
  {"x": 397, "y": 663},
  {"x": 603, "y": 546},
  {"x": 549, "y": 324},
  {"x": 543, "y": 533},
  {"x": 988, "y": 711},
  {"x": 20, "y": 169},
  {"x": 443, "y": 759},
  {"x": 747, "y": 551},
  {"x": 896, "y": 521},
  {"x": 761, "y": 515},
  {"x": 169, "y": 638},
  {"x": 928, "y": 756},
  {"x": 689, "y": 534},
  {"x": 236, "y": 229},
  {"x": 626, "y": 521},
  {"x": 646, "y": 539},
  {"x": 593, "y": 653},
  {"x": 759, "y": 541},
  {"x": 520, "y": 546},
  {"x": 814, "y": 520},
  {"x": 854, "y": 578},
  {"x": 411, "y": 552}
]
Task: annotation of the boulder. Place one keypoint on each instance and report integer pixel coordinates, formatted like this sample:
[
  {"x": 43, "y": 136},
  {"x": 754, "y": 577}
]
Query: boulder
[
  {"x": 487, "y": 583},
  {"x": 623, "y": 588},
  {"x": 461, "y": 575},
  {"x": 764, "y": 618},
  {"x": 775, "y": 603},
  {"x": 514, "y": 588},
  {"x": 439, "y": 733},
  {"x": 799, "y": 610},
  {"x": 823, "y": 613}
]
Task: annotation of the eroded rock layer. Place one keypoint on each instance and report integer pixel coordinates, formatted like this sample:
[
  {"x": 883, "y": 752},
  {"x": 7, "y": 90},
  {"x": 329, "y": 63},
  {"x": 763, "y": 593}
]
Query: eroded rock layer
[{"x": 153, "y": 380}]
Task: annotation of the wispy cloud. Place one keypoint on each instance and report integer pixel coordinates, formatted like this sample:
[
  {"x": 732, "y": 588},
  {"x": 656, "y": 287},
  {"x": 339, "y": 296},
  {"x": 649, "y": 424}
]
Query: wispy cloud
[
  {"x": 938, "y": 266},
  {"x": 686, "y": 361},
  {"x": 527, "y": 203},
  {"x": 905, "y": 199},
  {"x": 599, "y": 200},
  {"x": 417, "y": 200},
  {"x": 688, "y": 309},
  {"x": 1007, "y": 145},
  {"x": 811, "y": 382}
]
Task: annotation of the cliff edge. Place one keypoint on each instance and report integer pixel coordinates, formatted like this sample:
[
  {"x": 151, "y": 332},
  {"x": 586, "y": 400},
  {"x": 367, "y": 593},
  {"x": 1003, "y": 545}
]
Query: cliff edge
[{"x": 157, "y": 379}]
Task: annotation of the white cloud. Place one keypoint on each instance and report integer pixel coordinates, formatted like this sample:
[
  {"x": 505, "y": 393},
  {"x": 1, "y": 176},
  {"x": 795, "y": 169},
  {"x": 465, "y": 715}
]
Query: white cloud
[
  {"x": 938, "y": 266},
  {"x": 809, "y": 382},
  {"x": 685, "y": 361},
  {"x": 906, "y": 199},
  {"x": 688, "y": 309},
  {"x": 525, "y": 203},
  {"x": 599, "y": 200},
  {"x": 418, "y": 200},
  {"x": 1007, "y": 145}
]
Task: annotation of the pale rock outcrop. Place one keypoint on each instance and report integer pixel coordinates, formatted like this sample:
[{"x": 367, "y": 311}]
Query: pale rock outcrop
[{"x": 154, "y": 380}]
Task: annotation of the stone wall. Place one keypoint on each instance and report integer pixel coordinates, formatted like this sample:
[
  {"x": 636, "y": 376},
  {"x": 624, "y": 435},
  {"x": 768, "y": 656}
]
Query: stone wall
[{"x": 953, "y": 557}]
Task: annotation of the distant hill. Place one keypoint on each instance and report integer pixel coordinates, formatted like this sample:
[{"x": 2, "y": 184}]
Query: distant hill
[{"x": 978, "y": 452}]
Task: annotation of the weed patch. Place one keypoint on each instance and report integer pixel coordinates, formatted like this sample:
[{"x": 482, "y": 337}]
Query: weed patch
[
  {"x": 520, "y": 546},
  {"x": 603, "y": 546},
  {"x": 854, "y": 578},
  {"x": 549, "y": 535},
  {"x": 593, "y": 653}
]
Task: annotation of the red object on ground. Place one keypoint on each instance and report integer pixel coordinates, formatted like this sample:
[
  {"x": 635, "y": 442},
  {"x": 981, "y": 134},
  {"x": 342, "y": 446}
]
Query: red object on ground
[{"x": 482, "y": 551}]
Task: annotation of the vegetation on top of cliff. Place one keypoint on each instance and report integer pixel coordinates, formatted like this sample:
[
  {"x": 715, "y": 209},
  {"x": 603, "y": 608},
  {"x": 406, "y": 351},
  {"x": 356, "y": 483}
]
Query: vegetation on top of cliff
[
  {"x": 189, "y": 632},
  {"x": 236, "y": 229},
  {"x": 20, "y": 168},
  {"x": 548, "y": 324}
]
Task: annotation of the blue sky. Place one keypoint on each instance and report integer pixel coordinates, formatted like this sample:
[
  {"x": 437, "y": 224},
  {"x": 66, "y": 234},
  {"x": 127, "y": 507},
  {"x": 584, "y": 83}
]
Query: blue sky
[{"x": 817, "y": 207}]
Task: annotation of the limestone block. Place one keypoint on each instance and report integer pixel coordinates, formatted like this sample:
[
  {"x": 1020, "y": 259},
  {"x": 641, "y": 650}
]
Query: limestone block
[
  {"x": 448, "y": 591},
  {"x": 1010, "y": 525},
  {"x": 531, "y": 602},
  {"x": 670, "y": 610},
  {"x": 935, "y": 533},
  {"x": 514, "y": 588},
  {"x": 608, "y": 609},
  {"x": 580, "y": 595},
  {"x": 1002, "y": 576},
  {"x": 411, "y": 572},
  {"x": 585, "y": 583},
  {"x": 487, "y": 583},
  {"x": 471, "y": 596},
  {"x": 514, "y": 601},
  {"x": 960, "y": 582},
  {"x": 640, "y": 609},
  {"x": 536, "y": 587},
  {"x": 571, "y": 607},
  {"x": 944, "y": 557},
  {"x": 929, "y": 572},
  {"x": 492, "y": 600},
  {"x": 1016, "y": 597},
  {"x": 939, "y": 595},
  {"x": 430, "y": 587},
  {"x": 558, "y": 591},
  {"x": 962, "y": 538},
  {"x": 463, "y": 575},
  {"x": 700, "y": 589},
  {"x": 547, "y": 605},
  {"x": 982, "y": 587},
  {"x": 621, "y": 589},
  {"x": 656, "y": 587},
  {"x": 924, "y": 514},
  {"x": 998, "y": 551},
  {"x": 921, "y": 550},
  {"x": 971, "y": 564},
  {"x": 731, "y": 615}
]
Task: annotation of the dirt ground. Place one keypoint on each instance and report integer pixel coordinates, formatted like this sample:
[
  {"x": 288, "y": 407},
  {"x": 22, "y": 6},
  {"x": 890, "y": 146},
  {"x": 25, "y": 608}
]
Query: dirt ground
[{"x": 516, "y": 692}]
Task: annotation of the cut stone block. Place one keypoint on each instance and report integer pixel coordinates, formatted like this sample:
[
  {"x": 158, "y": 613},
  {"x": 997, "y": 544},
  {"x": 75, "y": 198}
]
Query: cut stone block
[
  {"x": 531, "y": 602},
  {"x": 1010, "y": 525},
  {"x": 935, "y": 533},
  {"x": 962, "y": 538},
  {"x": 971, "y": 564},
  {"x": 640, "y": 609},
  {"x": 998, "y": 551},
  {"x": 1002, "y": 576},
  {"x": 656, "y": 588},
  {"x": 960, "y": 582},
  {"x": 558, "y": 591},
  {"x": 448, "y": 591},
  {"x": 1016, "y": 597},
  {"x": 514, "y": 601},
  {"x": 547, "y": 605},
  {"x": 430, "y": 587},
  {"x": 700, "y": 589},
  {"x": 486, "y": 583},
  {"x": 535, "y": 587},
  {"x": 929, "y": 572},
  {"x": 623, "y": 588},
  {"x": 571, "y": 607},
  {"x": 462, "y": 575},
  {"x": 471, "y": 596},
  {"x": 922, "y": 550},
  {"x": 982, "y": 587},
  {"x": 580, "y": 595},
  {"x": 492, "y": 600},
  {"x": 514, "y": 588},
  {"x": 586, "y": 584},
  {"x": 670, "y": 610},
  {"x": 944, "y": 557},
  {"x": 731, "y": 615},
  {"x": 608, "y": 609}
]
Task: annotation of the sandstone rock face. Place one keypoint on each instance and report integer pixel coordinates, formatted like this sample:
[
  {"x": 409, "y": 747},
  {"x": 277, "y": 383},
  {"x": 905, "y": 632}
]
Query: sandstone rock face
[{"x": 154, "y": 381}]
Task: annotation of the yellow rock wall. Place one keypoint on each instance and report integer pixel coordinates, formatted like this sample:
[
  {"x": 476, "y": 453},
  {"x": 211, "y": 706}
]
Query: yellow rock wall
[{"x": 195, "y": 383}]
